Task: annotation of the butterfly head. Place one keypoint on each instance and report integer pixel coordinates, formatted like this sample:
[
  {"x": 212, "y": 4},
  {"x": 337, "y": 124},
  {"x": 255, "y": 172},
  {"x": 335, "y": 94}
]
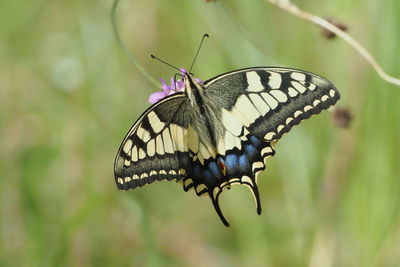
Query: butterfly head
[{"x": 193, "y": 87}]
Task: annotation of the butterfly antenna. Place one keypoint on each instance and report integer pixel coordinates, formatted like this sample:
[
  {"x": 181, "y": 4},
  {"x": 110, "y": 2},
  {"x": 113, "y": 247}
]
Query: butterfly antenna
[
  {"x": 198, "y": 50},
  {"x": 162, "y": 61}
]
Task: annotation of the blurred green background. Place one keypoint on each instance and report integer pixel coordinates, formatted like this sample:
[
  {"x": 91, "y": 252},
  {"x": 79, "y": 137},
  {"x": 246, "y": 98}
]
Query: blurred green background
[{"x": 68, "y": 95}]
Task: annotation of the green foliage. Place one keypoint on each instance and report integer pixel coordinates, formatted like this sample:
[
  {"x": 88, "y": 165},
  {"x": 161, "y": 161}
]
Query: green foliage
[{"x": 68, "y": 94}]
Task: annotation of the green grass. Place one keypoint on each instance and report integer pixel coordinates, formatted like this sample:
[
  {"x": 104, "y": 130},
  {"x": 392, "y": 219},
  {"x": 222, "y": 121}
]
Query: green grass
[{"x": 68, "y": 94}]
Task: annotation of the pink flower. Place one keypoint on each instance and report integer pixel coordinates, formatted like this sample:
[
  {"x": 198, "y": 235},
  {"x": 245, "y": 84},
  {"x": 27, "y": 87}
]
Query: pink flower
[{"x": 176, "y": 86}]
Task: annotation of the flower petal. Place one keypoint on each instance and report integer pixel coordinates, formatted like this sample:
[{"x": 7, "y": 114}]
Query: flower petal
[
  {"x": 157, "y": 96},
  {"x": 180, "y": 85},
  {"x": 173, "y": 85},
  {"x": 198, "y": 80},
  {"x": 164, "y": 85},
  {"x": 172, "y": 92}
]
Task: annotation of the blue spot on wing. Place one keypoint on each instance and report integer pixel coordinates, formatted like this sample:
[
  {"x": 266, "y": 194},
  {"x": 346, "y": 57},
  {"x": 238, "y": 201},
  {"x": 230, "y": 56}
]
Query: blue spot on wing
[
  {"x": 231, "y": 161},
  {"x": 244, "y": 163},
  {"x": 238, "y": 162},
  {"x": 232, "y": 165},
  {"x": 255, "y": 141},
  {"x": 208, "y": 178},
  {"x": 251, "y": 150},
  {"x": 208, "y": 174},
  {"x": 215, "y": 170}
]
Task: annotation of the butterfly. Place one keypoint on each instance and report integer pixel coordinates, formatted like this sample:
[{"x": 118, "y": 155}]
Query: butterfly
[{"x": 218, "y": 133}]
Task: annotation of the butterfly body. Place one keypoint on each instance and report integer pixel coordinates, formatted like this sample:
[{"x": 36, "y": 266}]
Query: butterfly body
[{"x": 219, "y": 133}]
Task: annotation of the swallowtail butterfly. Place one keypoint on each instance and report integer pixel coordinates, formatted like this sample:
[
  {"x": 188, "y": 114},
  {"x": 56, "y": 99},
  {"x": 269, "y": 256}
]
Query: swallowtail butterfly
[{"x": 219, "y": 133}]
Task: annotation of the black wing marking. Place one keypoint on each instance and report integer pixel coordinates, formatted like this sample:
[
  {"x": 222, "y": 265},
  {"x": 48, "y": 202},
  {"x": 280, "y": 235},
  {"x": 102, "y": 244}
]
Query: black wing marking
[{"x": 155, "y": 148}]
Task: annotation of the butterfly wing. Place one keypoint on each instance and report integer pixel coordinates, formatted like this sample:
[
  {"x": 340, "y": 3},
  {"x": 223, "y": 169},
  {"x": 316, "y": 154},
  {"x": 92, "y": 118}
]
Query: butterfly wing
[
  {"x": 155, "y": 147},
  {"x": 253, "y": 107},
  {"x": 269, "y": 101}
]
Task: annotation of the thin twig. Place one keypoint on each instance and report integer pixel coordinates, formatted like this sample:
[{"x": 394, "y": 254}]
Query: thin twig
[
  {"x": 131, "y": 57},
  {"x": 288, "y": 6}
]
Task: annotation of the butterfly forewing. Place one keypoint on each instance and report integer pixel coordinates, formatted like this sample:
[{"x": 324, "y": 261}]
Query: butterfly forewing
[
  {"x": 270, "y": 101},
  {"x": 155, "y": 148}
]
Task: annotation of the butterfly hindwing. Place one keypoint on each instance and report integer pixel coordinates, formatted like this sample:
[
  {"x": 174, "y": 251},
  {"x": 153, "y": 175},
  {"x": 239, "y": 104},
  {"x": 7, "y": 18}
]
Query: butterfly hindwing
[{"x": 236, "y": 165}]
